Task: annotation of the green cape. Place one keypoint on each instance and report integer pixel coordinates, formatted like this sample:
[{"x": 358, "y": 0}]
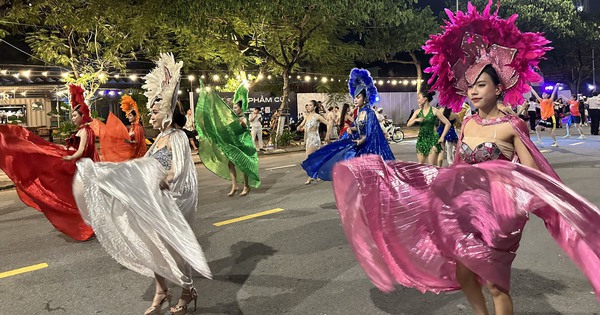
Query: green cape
[{"x": 223, "y": 139}]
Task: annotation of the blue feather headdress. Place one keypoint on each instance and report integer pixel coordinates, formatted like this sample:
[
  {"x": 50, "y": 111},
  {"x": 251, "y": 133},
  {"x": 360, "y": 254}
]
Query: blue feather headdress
[{"x": 360, "y": 79}]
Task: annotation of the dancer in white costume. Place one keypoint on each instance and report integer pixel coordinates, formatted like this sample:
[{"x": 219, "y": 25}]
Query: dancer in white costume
[{"x": 140, "y": 209}]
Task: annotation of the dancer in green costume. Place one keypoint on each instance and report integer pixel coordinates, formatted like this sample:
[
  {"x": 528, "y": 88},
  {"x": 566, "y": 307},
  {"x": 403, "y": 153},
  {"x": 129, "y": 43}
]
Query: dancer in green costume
[
  {"x": 226, "y": 146},
  {"x": 428, "y": 141}
]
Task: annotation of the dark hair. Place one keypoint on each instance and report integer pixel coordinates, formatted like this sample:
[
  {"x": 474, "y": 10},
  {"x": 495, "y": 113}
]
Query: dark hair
[
  {"x": 258, "y": 107},
  {"x": 78, "y": 110},
  {"x": 337, "y": 107},
  {"x": 429, "y": 95},
  {"x": 315, "y": 106},
  {"x": 532, "y": 99},
  {"x": 447, "y": 112},
  {"x": 364, "y": 94},
  {"x": 330, "y": 108},
  {"x": 595, "y": 93},
  {"x": 345, "y": 109},
  {"x": 179, "y": 118},
  {"x": 239, "y": 103},
  {"x": 492, "y": 73}
]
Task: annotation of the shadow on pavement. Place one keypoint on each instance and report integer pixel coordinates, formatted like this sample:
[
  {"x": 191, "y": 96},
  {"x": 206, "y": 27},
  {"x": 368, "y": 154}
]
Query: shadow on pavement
[{"x": 530, "y": 293}]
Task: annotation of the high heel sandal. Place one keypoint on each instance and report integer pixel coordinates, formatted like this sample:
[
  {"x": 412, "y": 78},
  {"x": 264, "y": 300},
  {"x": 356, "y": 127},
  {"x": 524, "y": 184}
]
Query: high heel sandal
[
  {"x": 155, "y": 309},
  {"x": 308, "y": 181},
  {"x": 182, "y": 309},
  {"x": 245, "y": 191},
  {"x": 233, "y": 190}
]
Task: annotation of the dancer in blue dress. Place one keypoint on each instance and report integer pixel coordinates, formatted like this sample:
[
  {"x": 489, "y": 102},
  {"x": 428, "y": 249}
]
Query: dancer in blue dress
[{"x": 363, "y": 137}]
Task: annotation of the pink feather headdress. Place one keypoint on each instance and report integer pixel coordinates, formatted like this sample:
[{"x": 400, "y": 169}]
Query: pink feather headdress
[{"x": 473, "y": 40}]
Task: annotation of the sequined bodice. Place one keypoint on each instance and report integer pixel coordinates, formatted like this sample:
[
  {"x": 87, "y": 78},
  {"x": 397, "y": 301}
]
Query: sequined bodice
[
  {"x": 486, "y": 151},
  {"x": 429, "y": 120},
  {"x": 312, "y": 123},
  {"x": 164, "y": 157}
]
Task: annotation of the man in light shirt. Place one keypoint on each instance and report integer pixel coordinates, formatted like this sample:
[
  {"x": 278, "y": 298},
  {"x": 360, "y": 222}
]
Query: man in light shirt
[
  {"x": 594, "y": 111},
  {"x": 256, "y": 128}
]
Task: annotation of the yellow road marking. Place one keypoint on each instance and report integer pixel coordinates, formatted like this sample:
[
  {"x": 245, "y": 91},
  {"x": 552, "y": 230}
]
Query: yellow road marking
[
  {"x": 544, "y": 151},
  {"x": 577, "y": 143},
  {"x": 247, "y": 217},
  {"x": 23, "y": 270}
]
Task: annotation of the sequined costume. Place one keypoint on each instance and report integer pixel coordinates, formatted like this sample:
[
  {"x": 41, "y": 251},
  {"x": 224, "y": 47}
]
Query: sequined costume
[
  {"x": 427, "y": 137},
  {"x": 140, "y": 224},
  {"x": 410, "y": 223},
  {"x": 451, "y": 135},
  {"x": 320, "y": 163},
  {"x": 313, "y": 140}
]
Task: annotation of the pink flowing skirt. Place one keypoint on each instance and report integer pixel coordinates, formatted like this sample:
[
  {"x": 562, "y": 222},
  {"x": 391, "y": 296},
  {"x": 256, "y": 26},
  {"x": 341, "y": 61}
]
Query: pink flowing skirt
[{"x": 409, "y": 223}]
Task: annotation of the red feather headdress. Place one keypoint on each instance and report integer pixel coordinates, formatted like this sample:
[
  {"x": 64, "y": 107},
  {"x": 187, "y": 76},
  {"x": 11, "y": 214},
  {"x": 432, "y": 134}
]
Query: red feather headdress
[{"x": 78, "y": 102}]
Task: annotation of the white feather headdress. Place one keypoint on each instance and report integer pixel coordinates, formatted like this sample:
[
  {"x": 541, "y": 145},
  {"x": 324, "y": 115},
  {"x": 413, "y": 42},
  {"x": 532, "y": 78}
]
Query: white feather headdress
[{"x": 162, "y": 84}]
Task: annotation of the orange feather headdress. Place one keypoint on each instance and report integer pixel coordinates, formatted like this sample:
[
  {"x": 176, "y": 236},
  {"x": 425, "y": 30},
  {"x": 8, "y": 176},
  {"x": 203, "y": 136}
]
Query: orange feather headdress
[{"x": 128, "y": 105}]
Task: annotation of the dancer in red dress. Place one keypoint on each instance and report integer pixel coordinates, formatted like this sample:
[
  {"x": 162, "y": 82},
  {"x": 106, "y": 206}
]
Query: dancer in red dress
[{"x": 43, "y": 172}]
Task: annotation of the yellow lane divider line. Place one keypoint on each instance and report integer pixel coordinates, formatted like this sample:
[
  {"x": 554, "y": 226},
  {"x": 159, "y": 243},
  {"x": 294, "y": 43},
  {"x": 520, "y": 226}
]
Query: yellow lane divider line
[
  {"x": 247, "y": 217},
  {"x": 23, "y": 270},
  {"x": 577, "y": 143}
]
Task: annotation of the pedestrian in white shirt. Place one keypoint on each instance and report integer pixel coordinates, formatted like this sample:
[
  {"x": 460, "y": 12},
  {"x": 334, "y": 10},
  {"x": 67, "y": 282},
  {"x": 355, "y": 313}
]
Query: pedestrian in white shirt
[
  {"x": 256, "y": 128},
  {"x": 594, "y": 111}
]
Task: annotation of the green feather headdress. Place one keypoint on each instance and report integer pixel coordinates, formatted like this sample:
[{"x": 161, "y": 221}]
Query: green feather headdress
[{"x": 241, "y": 94}]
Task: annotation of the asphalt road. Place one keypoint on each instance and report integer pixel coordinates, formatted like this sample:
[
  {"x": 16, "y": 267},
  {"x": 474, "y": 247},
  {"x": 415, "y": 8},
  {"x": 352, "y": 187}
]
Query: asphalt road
[{"x": 295, "y": 261}]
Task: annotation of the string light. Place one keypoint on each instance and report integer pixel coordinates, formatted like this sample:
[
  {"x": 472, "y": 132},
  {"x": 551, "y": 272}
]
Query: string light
[
  {"x": 191, "y": 77},
  {"x": 269, "y": 77},
  {"x": 117, "y": 76},
  {"x": 102, "y": 76},
  {"x": 4, "y": 72},
  {"x": 64, "y": 75},
  {"x": 307, "y": 78},
  {"x": 216, "y": 77},
  {"x": 198, "y": 90},
  {"x": 133, "y": 77},
  {"x": 45, "y": 73},
  {"x": 26, "y": 73},
  {"x": 324, "y": 80}
]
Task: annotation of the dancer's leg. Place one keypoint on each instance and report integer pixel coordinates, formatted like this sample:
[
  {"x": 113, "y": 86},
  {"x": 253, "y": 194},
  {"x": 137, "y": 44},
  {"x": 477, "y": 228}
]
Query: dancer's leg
[{"x": 470, "y": 286}]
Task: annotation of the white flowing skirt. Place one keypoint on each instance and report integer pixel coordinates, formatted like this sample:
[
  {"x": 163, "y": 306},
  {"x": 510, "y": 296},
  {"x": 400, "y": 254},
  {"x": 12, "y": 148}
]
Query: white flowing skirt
[{"x": 141, "y": 226}]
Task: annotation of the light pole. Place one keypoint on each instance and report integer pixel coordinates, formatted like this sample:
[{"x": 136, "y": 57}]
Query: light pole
[
  {"x": 191, "y": 78},
  {"x": 456, "y": 5}
]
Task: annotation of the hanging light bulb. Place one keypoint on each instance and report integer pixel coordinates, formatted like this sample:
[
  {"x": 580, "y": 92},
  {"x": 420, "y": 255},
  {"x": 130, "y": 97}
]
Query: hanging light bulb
[
  {"x": 307, "y": 78},
  {"x": 324, "y": 80}
]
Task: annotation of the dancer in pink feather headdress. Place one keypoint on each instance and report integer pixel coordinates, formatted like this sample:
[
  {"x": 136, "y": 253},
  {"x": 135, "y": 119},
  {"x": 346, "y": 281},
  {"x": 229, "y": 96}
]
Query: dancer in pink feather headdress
[{"x": 458, "y": 228}]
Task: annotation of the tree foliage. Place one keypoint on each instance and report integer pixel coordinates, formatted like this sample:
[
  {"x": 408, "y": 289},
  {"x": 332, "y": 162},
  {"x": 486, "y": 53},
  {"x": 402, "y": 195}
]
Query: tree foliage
[
  {"x": 90, "y": 38},
  {"x": 398, "y": 41},
  {"x": 573, "y": 34}
]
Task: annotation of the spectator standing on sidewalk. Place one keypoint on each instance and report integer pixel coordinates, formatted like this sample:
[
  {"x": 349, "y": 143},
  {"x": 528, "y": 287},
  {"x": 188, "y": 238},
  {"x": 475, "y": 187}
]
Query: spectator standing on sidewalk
[
  {"x": 594, "y": 111},
  {"x": 256, "y": 128}
]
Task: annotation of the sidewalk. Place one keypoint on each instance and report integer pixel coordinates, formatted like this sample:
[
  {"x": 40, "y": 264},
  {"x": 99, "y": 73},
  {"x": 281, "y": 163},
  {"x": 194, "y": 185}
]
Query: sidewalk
[{"x": 6, "y": 183}]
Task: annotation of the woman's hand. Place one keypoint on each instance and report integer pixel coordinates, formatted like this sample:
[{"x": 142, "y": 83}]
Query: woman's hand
[
  {"x": 165, "y": 184},
  {"x": 440, "y": 140},
  {"x": 68, "y": 158}
]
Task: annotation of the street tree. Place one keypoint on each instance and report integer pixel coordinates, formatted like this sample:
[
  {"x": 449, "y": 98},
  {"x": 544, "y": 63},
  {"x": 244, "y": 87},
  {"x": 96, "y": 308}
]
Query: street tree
[
  {"x": 400, "y": 40},
  {"x": 574, "y": 35},
  {"x": 89, "y": 38}
]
